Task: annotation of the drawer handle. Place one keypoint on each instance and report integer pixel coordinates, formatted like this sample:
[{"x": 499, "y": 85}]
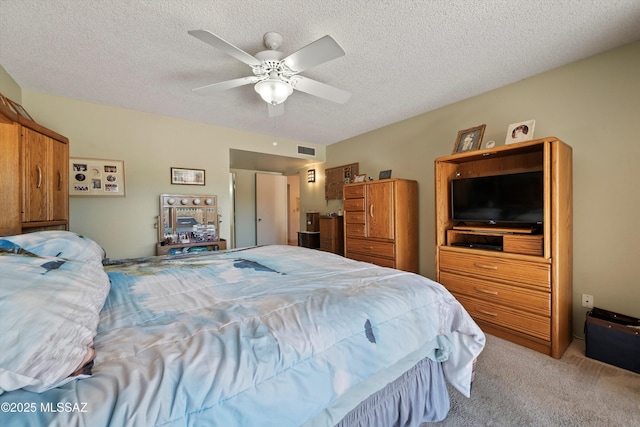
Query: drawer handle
[
  {"x": 59, "y": 181},
  {"x": 484, "y": 291},
  {"x": 485, "y": 266},
  {"x": 371, "y": 210},
  {"x": 488, "y": 313}
]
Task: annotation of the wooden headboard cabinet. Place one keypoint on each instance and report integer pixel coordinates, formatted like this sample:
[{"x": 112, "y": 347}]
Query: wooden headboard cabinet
[{"x": 34, "y": 176}]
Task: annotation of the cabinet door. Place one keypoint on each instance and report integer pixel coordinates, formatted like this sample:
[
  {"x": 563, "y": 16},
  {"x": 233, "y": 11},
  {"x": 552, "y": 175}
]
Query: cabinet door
[
  {"x": 380, "y": 218},
  {"x": 58, "y": 181},
  {"x": 10, "y": 193},
  {"x": 327, "y": 234},
  {"x": 36, "y": 156}
]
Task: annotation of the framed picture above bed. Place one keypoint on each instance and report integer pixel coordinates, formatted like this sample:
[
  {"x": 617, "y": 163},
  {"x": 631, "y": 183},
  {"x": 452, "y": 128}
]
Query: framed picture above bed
[
  {"x": 96, "y": 177},
  {"x": 19, "y": 109}
]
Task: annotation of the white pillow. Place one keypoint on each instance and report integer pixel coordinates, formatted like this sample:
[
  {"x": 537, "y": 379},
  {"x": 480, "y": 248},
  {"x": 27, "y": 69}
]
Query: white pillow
[
  {"x": 60, "y": 244},
  {"x": 50, "y": 312}
]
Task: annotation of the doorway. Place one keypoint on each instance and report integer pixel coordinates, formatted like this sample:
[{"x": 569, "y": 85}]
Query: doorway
[
  {"x": 271, "y": 209},
  {"x": 244, "y": 165}
]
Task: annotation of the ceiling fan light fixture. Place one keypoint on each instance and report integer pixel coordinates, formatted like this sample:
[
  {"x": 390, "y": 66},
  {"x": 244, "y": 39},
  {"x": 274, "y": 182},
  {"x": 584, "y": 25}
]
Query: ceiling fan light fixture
[{"x": 273, "y": 91}]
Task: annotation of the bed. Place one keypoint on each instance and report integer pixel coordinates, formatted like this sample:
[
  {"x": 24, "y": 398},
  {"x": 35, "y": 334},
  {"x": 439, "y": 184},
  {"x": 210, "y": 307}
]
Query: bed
[{"x": 262, "y": 336}]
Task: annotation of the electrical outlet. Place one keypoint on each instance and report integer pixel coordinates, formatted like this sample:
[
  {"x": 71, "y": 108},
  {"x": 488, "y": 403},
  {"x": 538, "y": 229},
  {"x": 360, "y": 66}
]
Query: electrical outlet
[{"x": 587, "y": 301}]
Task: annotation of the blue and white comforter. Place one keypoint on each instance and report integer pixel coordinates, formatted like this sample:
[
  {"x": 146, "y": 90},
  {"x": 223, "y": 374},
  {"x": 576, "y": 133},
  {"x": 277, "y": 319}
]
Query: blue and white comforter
[{"x": 267, "y": 336}]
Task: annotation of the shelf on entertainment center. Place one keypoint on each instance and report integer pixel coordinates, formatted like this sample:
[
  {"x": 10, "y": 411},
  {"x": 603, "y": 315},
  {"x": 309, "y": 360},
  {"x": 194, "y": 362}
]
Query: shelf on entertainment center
[
  {"x": 522, "y": 148},
  {"x": 510, "y": 240},
  {"x": 494, "y": 230}
]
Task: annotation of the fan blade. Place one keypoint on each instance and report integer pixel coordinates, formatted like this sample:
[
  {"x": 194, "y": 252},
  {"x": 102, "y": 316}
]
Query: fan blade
[
  {"x": 224, "y": 45},
  {"x": 275, "y": 110},
  {"x": 322, "y": 90},
  {"x": 229, "y": 84},
  {"x": 316, "y": 53}
]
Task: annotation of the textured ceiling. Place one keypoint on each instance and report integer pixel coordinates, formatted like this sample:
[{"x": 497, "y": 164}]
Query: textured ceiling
[{"x": 403, "y": 57}]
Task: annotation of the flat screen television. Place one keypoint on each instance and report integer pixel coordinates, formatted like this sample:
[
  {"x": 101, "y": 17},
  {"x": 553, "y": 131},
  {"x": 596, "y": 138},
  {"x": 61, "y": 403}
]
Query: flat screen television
[{"x": 516, "y": 198}]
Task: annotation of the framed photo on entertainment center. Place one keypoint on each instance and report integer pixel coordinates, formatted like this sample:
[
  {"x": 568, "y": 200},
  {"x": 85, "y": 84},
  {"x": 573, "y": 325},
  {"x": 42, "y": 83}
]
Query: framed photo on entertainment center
[
  {"x": 187, "y": 176},
  {"x": 520, "y": 132},
  {"x": 96, "y": 177},
  {"x": 469, "y": 139}
]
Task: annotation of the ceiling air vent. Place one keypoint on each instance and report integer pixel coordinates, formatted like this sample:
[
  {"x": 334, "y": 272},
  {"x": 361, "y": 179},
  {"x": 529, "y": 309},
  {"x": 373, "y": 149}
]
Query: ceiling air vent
[{"x": 309, "y": 151}]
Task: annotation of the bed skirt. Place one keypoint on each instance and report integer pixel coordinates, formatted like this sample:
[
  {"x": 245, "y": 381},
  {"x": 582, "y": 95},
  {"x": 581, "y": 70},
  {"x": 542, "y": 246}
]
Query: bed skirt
[{"x": 419, "y": 395}]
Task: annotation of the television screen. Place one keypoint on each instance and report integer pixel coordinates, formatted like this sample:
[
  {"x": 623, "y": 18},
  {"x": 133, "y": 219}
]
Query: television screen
[{"x": 512, "y": 198}]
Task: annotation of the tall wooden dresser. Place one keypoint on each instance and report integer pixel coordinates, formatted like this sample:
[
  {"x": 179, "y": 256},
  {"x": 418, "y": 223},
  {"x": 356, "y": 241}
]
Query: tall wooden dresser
[
  {"x": 34, "y": 176},
  {"x": 381, "y": 223},
  {"x": 523, "y": 293}
]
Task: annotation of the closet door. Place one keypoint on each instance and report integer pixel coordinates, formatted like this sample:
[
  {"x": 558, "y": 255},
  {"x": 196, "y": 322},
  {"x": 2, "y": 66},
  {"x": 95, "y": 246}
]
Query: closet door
[
  {"x": 271, "y": 209},
  {"x": 379, "y": 210}
]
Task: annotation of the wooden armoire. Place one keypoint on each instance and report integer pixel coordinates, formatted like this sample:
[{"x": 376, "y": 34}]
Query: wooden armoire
[
  {"x": 381, "y": 223},
  {"x": 34, "y": 176}
]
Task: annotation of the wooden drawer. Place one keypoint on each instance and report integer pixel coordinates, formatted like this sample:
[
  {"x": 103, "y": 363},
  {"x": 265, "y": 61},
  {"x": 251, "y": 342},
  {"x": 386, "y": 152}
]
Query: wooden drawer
[
  {"x": 534, "y": 301},
  {"x": 354, "y": 205},
  {"x": 371, "y": 247},
  {"x": 353, "y": 191},
  {"x": 496, "y": 268},
  {"x": 354, "y": 230},
  {"x": 528, "y": 323},
  {"x": 354, "y": 217},
  {"x": 523, "y": 244},
  {"x": 382, "y": 262},
  {"x": 326, "y": 243}
]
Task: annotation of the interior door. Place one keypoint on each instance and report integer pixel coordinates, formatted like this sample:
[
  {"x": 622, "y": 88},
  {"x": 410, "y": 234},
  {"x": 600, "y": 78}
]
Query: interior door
[{"x": 271, "y": 209}]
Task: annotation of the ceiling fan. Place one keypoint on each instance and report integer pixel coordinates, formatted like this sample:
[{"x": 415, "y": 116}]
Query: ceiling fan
[{"x": 276, "y": 76}]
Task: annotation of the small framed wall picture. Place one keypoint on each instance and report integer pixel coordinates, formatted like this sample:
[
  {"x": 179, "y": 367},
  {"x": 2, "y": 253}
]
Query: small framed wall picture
[
  {"x": 182, "y": 176},
  {"x": 469, "y": 139},
  {"x": 520, "y": 132},
  {"x": 96, "y": 177}
]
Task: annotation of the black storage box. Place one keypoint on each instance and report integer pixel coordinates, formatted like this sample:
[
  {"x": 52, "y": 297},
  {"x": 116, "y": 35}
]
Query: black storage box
[{"x": 613, "y": 338}]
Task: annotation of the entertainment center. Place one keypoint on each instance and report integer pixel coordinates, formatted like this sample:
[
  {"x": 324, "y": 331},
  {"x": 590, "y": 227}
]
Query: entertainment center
[{"x": 504, "y": 239}]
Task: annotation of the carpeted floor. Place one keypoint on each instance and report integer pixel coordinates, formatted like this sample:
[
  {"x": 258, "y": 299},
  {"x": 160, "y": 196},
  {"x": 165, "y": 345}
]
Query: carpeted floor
[{"x": 515, "y": 386}]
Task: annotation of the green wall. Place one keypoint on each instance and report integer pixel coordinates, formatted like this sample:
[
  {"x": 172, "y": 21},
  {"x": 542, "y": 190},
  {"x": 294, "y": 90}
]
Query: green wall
[
  {"x": 8, "y": 87},
  {"x": 149, "y": 145},
  {"x": 594, "y": 106}
]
